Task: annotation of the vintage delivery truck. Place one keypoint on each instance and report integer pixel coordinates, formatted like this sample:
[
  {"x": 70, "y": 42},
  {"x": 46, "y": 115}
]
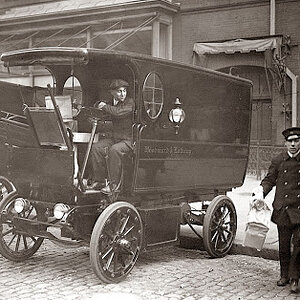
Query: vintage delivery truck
[{"x": 190, "y": 131}]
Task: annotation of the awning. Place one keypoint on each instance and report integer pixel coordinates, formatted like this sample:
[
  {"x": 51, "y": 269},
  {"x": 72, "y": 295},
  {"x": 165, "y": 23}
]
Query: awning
[{"x": 238, "y": 45}]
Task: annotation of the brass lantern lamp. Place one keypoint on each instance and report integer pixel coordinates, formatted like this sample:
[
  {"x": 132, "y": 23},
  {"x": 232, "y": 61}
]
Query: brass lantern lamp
[{"x": 177, "y": 115}]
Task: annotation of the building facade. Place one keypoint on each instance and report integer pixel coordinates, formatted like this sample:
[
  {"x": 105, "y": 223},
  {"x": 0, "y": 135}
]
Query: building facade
[
  {"x": 255, "y": 39},
  {"x": 258, "y": 40}
]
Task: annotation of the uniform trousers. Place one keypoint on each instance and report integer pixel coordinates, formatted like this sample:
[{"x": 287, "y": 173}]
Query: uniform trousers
[
  {"x": 116, "y": 150},
  {"x": 288, "y": 268},
  {"x": 295, "y": 259}
]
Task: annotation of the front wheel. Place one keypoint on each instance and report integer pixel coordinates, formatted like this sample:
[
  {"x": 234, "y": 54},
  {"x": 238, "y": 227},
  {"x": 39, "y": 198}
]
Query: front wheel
[
  {"x": 116, "y": 242},
  {"x": 14, "y": 245},
  {"x": 219, "y": 227}
]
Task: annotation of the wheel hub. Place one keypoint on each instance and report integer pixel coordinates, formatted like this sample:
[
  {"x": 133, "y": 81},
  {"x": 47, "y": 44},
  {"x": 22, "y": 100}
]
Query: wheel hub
[{"x": 124, "y": 243}]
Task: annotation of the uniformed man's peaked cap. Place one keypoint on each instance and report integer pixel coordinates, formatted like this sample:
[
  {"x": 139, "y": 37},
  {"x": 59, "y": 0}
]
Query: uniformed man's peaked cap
[
  {"x": 117, "y": 83},
  {"x": 291, "y": 133}
]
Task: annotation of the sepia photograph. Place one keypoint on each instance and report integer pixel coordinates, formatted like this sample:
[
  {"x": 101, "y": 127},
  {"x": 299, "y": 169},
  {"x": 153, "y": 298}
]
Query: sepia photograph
[{"x": 149, "y": 149}]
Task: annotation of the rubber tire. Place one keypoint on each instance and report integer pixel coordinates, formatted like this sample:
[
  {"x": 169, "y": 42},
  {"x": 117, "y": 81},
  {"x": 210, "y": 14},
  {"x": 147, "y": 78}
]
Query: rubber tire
[
  {"x": 213, "y": 207},
  {"x": 97, "y": 231}
]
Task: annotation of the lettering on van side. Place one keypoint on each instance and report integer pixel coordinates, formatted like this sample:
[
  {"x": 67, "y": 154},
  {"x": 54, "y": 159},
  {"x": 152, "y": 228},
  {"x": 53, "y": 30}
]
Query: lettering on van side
[{"x": 172, "y": 150}]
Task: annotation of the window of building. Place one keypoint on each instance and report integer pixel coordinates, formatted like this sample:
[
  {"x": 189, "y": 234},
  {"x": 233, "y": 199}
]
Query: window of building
[{"x": 261, "y": 126}]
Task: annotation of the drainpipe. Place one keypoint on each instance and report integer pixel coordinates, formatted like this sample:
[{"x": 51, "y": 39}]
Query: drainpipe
[
  {"x": 30, "y": 68},
  {"x": 293, "y": 78},
  {"x": 289, "y": 73},
  {"x": 272, "y": 17}
]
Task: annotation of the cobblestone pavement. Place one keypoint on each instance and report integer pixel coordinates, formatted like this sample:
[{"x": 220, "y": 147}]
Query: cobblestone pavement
[{"x": 167, "y": 274}]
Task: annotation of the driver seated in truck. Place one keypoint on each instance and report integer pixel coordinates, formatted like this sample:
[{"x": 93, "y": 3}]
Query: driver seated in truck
[{"x": 107, "y": 153}]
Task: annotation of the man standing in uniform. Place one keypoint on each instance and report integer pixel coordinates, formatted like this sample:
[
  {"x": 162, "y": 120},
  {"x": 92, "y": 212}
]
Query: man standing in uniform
[
  {"x": 284, "y": 173},
  {"x": 121, "y": 111}
]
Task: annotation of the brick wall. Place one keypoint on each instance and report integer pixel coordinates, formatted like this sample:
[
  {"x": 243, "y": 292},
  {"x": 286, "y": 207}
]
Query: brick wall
[
  {"x": 218, "y": 23},
  {"x": 287, "y": 20},
  {"x": 200, "y": 21}
]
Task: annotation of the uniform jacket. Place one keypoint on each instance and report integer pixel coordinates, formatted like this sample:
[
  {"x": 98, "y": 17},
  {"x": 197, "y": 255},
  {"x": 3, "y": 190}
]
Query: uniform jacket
[
  {"x": 284, "y": 172},
  {"x": 122, "y": 118}
]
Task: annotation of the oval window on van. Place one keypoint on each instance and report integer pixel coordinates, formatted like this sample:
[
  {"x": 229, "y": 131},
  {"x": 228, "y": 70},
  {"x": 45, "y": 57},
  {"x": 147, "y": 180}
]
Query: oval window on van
[{"x": 153, "y": 95}]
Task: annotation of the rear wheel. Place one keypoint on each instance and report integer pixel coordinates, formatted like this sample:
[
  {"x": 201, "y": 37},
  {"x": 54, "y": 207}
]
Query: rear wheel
[
  {"x": 219, "y": 227},
  {"x": 116, "y": 242},
  {"x": 14, "y": 245}
]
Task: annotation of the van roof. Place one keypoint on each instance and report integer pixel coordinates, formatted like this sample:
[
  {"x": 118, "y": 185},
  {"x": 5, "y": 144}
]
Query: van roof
[{"x": 82, "y": 56}]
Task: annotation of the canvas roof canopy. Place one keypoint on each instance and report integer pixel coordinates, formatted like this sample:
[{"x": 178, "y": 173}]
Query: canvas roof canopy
[{"x": 238, "y": 45}]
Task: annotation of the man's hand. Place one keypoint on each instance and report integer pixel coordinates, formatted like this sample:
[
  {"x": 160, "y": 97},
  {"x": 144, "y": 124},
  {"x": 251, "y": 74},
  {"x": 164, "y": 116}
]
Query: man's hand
[
  {"x": 101, "y": 104},
  {"x": 258, "y": 193}
]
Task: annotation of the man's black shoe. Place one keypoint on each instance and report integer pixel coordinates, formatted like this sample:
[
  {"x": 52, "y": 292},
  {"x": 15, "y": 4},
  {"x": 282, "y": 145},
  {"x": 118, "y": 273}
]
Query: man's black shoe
[
  {"x": 283, "y": 281},
  {"x": 294, "y": 286}
]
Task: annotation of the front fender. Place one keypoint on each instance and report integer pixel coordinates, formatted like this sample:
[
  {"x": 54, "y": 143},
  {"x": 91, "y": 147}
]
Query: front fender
[{"x": 6, "y": 187}]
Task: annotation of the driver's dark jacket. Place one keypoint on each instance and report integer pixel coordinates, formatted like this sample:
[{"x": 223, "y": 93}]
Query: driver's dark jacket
[
  {"x": 284, "y": 172},
  {"x": 122, "y": 118}
]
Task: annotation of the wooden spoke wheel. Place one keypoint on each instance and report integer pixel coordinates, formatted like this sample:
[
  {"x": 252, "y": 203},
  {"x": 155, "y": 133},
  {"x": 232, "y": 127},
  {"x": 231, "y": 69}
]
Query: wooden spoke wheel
[
  {"x": 116, "y": 242},
  {"x": 219, "y": 227},
  {"x": 15, "y": 245}
]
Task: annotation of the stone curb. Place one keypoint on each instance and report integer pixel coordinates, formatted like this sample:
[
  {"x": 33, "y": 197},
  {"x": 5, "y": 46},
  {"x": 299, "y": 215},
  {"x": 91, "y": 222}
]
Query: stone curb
[{"x": 196, "y": 243}]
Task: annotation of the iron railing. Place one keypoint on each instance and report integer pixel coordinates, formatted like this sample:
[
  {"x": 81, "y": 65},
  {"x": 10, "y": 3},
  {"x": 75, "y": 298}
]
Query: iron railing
[{"x": 260, "y": 158}]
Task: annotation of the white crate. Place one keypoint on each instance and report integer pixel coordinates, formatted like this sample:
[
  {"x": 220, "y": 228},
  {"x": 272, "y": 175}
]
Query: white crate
[{"x": 64, "y": 103}]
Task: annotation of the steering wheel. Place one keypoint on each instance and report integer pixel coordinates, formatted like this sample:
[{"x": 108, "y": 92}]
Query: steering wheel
[{"x": 92, "y": 114}]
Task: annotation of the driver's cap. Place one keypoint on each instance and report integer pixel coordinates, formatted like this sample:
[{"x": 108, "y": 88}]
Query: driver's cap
[
  {"x": 117, "y": 83},
  {"x": 291, "y": 133}
]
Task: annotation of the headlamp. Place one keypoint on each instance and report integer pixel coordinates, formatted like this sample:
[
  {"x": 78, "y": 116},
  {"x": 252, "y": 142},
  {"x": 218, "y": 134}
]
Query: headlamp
[
  {"x": 60, "y": 209},
  {"x": 20, "y": 205}
]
